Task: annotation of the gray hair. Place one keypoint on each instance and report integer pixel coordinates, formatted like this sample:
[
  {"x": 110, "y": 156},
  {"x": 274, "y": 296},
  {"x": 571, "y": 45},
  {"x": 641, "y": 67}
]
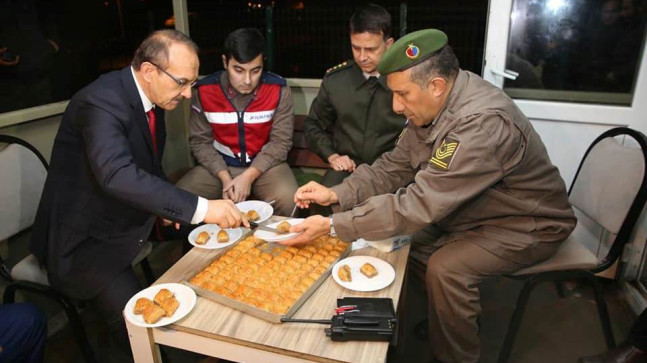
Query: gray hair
[{"x": 155, "y": 47}]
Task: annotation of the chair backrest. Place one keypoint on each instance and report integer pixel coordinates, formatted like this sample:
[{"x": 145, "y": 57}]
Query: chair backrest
[
  {"x": 610, "y": 185},
  {"x": 22, "y": 177}
]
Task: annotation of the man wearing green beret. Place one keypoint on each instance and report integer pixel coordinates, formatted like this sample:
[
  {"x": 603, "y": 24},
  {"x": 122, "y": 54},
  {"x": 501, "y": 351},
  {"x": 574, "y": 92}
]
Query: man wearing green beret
[
  {"x": 355, "y": 103},
  {"x": 471, "y": 166}
]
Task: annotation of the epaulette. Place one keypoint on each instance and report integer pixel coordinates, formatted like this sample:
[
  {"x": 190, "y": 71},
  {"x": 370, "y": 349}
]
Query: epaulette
[{"x": 338, "y": 67}]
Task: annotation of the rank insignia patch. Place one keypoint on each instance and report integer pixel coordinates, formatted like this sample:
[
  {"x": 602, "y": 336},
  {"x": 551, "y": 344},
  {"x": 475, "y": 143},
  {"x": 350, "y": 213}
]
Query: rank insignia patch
[{"x": 443, "y": 156}]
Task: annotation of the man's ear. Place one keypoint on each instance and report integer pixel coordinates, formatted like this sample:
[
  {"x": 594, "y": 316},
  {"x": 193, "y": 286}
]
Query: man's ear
[
  {"x": 389, "y": 43},
  {"x": 224, "y": 62},
  {"x": 146, "y": 69},
  {"x": 437, "y": 86}
]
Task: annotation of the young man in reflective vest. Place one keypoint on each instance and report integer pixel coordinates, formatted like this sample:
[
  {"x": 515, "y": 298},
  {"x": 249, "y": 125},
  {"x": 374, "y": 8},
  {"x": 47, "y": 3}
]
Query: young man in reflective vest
[{"x": 241, "y": 128}]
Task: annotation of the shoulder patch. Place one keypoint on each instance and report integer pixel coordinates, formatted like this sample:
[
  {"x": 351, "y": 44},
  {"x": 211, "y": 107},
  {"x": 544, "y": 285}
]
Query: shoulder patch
[
  {"x": 337, "y": 67},
  {"x": 442, "y": 157}
]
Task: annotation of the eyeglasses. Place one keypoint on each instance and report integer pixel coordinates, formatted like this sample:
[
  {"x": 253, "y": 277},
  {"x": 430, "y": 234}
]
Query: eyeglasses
[{"x": 182, "y": 83}]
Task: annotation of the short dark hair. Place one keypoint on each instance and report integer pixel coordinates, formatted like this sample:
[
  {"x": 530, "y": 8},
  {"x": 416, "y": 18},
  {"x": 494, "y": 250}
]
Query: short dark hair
[
  {"x": 371, "y": 18},
  {"x": 244, "y": 45},
  {"x": 155, "y": 47},
  {"x": 443, "y": 64}
]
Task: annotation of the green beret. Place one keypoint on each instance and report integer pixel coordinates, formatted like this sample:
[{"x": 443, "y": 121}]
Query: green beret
[{"x": 411, "y": 49}]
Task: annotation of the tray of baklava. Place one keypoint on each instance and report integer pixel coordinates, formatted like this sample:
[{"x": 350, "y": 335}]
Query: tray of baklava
[{"x": 268, "y": 280}]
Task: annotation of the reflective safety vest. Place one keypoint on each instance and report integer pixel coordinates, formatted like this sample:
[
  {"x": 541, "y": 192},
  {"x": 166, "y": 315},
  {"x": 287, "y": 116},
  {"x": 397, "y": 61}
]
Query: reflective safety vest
[{"x": 240, "y": 135}]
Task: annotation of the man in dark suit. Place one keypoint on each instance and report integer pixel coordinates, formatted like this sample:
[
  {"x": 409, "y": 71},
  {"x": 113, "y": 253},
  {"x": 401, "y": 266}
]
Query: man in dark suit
[{"x": 105, "y": 183}]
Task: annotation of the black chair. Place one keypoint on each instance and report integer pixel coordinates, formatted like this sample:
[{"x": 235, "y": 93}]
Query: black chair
[
  {"x": 608, "y": 194},
  {"x": 24, "y": 171}
]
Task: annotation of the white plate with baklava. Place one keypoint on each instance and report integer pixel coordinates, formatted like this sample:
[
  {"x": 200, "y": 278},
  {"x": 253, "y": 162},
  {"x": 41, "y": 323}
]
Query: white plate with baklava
[
  {"x": 282, "y": 230},
  {"x": 211, "y": 237},
  {"x": 160, "y": 305},
  {"x": 256, "y": 210},
  {"x": 363, "y": 273}
]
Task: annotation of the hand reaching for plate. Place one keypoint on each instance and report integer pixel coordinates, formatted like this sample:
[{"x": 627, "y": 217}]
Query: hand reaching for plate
[
  {"x": 225, "y": 214},
  {"x": 314, "y": 192},
  {"x": 311, "y": 228}
]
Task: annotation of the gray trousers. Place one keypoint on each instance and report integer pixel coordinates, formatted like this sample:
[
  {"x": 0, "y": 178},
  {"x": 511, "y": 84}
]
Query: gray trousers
[
  {"x": 277, "y": 183},
  {"x": 452, "y": 273}
]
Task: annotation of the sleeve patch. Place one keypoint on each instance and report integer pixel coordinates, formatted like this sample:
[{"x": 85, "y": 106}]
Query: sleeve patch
[{"x": 442, "y": 157}]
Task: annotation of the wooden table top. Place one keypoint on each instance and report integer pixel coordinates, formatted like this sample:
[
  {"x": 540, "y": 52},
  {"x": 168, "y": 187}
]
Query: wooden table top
[{"x": 308, "y": 341}]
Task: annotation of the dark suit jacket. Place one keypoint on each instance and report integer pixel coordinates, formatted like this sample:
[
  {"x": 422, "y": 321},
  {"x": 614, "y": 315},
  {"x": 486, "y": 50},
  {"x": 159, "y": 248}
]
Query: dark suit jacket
[{"x": 103, "y": 188}]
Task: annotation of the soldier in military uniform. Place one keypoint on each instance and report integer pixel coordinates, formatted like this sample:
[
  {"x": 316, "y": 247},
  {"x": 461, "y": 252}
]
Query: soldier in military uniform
[
  {"x": 355, "y": 102},
  {"x": 470, "y": 164}
]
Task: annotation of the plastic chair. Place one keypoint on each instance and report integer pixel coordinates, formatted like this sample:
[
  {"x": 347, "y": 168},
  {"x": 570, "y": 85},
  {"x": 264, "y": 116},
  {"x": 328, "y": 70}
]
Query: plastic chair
[
  {"x": 24, "y": 171},
  {"x": 608, "y": 194}
]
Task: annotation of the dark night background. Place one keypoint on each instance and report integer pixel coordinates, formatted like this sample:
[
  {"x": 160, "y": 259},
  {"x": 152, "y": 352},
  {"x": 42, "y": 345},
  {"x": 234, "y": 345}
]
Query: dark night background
[{"x": 96, "y": 36}]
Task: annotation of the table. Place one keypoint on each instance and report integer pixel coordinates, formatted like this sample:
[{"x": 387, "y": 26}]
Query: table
[{"x": 219, "y": 331}]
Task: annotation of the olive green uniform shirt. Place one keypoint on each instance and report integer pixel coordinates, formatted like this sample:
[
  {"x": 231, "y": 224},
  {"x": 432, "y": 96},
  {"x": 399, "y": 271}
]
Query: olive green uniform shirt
[
  {"x": 479, "y": 172},
  {"x": 359, "y": 113}
]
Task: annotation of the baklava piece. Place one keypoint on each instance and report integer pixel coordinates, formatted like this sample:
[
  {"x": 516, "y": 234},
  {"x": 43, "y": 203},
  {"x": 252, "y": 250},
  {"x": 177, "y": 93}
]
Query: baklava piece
[
  {"x": 202, "y": 238},
  {"x": 153, "y": 313},
  {"x": 344, "y": 273},
  {"x": 141, "y": 305},
  {"x": 300, "y": 259},
  {"x": 284, "y": 227},
  {"x": 162, "y": 295},
  {"x": 368, "y": 270},
  {"x": 253, "y": 215},
  {"x": 292, "y": 250},
  {"x": 170, "y": 305},
  {"x": 223, "y": 236}
]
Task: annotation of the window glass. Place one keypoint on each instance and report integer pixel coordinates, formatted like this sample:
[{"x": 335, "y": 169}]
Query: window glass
[
  {"x": 49, "y": 49},
  {"x": 575, "y": 50},
  {"x": 308, "y": 37}
]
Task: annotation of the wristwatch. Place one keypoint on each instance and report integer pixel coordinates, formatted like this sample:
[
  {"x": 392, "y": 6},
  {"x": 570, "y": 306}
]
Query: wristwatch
[{"x": 332, "y": 232}]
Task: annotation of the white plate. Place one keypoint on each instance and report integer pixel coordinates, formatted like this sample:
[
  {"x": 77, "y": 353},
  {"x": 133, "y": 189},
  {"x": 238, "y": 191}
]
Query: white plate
[
  {"x": 184, "y": 295},
  {"x": 384, "y": 278},
  {"x": 212, "y": 243},
  {"x": 263, "y": 209},
  {"x": 276, "y": 237}
]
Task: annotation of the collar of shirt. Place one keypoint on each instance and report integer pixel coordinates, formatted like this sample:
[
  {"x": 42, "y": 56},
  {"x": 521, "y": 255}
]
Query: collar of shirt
[
  {"x": 145, "y": 101},
  {"x": 367, "y": 75},
  {"x": 359, "y": 78}
]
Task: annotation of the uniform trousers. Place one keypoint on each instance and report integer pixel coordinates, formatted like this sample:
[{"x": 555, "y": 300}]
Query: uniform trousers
[
  {"x": 452, "y": 274},
  {"x": 23, "y": 331},
  {"x": 277, "y": 183}
]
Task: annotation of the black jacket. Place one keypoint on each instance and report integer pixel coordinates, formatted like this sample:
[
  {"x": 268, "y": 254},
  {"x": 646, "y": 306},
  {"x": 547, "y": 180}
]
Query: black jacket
[{"x": 103, "y": 188}]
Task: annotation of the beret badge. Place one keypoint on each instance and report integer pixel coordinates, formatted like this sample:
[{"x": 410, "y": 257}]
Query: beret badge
[{"x": 412, "y": 51}]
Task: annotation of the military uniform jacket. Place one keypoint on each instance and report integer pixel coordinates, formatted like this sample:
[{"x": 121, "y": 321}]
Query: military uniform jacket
[
  {"x": 479, "y": 172},
  {"x": 360, "y": 114}
]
